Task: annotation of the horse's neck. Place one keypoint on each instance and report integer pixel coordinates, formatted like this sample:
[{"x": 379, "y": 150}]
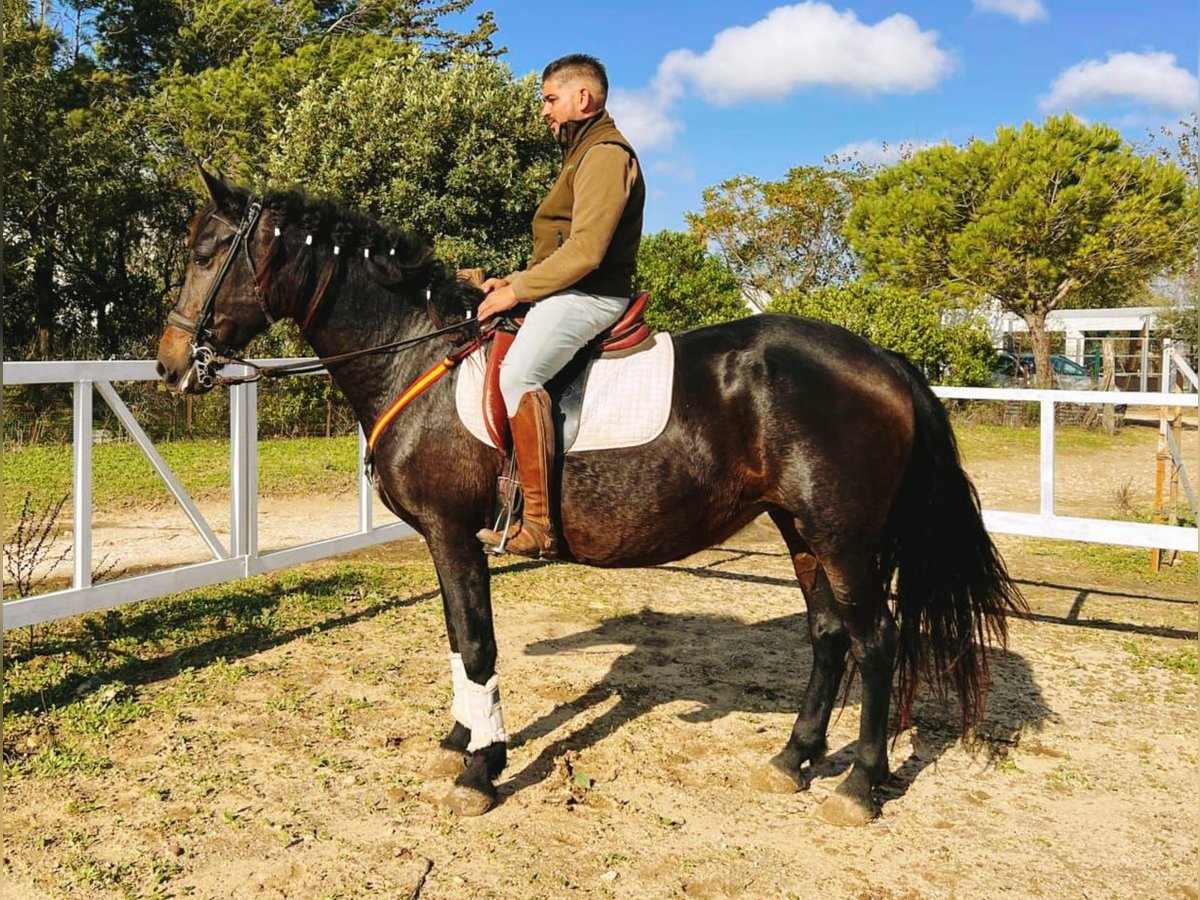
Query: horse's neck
[{"x": 371, "y": 382}]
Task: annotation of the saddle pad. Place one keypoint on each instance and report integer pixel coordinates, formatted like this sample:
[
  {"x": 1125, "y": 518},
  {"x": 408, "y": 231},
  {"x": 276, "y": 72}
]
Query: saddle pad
[{"x": 627, "y": 400}]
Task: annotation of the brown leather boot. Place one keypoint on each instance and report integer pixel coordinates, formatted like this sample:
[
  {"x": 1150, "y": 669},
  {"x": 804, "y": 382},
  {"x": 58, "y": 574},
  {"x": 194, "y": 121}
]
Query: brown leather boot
[{"x": 533, "y": 444}]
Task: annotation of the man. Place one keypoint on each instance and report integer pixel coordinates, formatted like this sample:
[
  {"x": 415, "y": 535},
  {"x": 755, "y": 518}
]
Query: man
[{"x": 585, "y": 241}]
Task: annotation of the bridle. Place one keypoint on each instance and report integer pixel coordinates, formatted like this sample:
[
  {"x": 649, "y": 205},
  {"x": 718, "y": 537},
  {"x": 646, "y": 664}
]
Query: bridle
[
  {"x": 207, "y": 350},
  {"x": 209, "y": 354}
]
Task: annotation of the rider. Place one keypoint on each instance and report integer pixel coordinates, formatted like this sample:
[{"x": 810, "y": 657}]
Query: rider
[{"x": 585, "y": 241}]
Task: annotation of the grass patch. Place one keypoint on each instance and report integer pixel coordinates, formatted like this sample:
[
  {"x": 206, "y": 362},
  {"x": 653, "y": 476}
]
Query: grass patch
[
  {"x": 978, "y": 441},
  {"x": 123, "y": 477},
  {"x": 1065, "y": 780},
  {"x": 79, "y": 681},
  {"x": 1103, "y": 561},
  {"x": 1145, "y": 655}
]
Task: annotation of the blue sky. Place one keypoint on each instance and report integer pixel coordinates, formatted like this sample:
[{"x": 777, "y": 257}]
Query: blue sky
[{"x": 707, "y": 90}]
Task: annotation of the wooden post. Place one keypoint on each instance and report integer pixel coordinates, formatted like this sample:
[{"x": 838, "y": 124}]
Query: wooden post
[
  {"x": 1173, "y": 489},
  {"x": 1161, "y": 455}
]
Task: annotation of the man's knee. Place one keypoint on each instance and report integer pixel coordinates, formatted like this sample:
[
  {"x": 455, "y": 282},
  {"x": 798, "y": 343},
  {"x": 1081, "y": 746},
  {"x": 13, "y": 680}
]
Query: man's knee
[
  {"x": 512, "y": 381},
  {"x": 514, "y": 384}
]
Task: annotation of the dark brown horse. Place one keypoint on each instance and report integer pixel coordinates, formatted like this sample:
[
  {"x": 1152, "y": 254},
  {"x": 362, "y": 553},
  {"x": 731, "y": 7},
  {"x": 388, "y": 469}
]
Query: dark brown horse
[{"x": 841, "y": 443}]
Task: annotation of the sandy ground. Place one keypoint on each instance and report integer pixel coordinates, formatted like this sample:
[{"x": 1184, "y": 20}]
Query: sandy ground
[{"x": 637, "y": 703}]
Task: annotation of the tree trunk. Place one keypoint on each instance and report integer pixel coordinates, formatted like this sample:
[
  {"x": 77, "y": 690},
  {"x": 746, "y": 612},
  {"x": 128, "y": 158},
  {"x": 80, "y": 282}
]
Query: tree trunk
[
  {"x": 43, "y": 290},
  {"x": 1040, "y": 340},
  {"x": 43, "y": 285},
  {"x": 1109, "y": 355}
]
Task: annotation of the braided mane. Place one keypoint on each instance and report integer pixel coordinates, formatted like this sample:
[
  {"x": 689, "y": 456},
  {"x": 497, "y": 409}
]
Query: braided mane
[{"x": 316, "y": 242}]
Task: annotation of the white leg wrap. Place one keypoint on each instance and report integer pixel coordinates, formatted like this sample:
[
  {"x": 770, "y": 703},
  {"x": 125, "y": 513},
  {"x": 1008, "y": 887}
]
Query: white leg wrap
[
  {"x": 486, "y": 719},
  {"x": 458, "y": 677}
]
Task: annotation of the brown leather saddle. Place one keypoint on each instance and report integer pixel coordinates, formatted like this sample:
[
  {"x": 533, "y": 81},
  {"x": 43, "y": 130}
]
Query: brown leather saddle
[{"x": 566, "y": 389}]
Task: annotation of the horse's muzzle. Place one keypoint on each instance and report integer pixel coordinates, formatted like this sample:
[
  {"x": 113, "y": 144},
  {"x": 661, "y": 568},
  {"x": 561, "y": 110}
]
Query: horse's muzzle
[{"x": 184, "y": 367}]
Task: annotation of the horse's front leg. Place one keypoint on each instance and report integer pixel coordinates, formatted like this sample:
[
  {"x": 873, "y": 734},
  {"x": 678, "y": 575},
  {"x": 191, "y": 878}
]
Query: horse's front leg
[
  {"x": 451, "y": 756},
  {"x": 478, "y": 733}
]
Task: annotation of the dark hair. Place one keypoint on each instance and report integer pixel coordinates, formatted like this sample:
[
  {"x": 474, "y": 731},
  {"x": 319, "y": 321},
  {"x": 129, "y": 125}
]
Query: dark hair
[{"x": 578, "y": 64}]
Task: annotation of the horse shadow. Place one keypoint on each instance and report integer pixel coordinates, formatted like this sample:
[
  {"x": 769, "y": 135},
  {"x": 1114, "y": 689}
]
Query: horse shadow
[{"x": 726, "y": 666}]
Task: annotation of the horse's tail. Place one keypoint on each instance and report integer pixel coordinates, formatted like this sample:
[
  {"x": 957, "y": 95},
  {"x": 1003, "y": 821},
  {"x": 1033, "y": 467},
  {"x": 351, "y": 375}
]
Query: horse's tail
[{"x": 953, "y": 592}]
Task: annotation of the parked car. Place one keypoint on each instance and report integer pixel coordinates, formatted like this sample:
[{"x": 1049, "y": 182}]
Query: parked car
[
  {"x": 1020, "y": 370},
  {"x": 1017, "y": 370}
]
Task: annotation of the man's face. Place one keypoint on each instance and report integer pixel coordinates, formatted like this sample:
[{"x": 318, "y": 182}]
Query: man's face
[{"x": 562, "y": 101}]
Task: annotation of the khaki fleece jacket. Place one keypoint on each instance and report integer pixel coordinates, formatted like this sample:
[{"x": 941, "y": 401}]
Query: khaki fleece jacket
[{"x": 605, "y": 177}]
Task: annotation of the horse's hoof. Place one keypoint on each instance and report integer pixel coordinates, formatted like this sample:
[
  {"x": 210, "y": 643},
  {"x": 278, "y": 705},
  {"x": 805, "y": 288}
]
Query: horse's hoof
[
  {"x": 774, "y": 777},
  {"x": 843, "y": 809},
  {"x": 469, "y": 801},
  {"x": 445, "y": 763}
]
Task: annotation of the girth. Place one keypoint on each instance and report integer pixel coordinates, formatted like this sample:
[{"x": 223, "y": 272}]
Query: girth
[{"x": 627, "y": 335}]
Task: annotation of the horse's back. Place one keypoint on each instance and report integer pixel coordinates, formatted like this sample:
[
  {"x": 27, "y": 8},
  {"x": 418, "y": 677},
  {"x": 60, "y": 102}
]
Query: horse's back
[
  {"x": 804, "y": 370},
  {"x": 767, "y": 412}
]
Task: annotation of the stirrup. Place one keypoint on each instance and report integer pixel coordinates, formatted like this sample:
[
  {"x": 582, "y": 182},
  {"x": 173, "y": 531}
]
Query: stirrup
[{"x": 508, "y": 492}]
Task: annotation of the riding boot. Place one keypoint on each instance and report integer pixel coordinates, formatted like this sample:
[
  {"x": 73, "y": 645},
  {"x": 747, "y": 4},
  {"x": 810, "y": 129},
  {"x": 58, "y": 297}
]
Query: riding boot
[{"x": 533, "y": 445}]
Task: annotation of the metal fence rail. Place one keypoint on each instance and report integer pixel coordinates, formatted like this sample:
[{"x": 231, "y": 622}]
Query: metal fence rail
[{"x": 242, "y": 558}]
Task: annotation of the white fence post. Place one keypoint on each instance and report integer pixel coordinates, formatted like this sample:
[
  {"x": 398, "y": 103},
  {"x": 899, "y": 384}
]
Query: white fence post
[
  {"x": 243, "y": 461},
  {"x": 366, "y": 490},
  {"x": 81, "y": 478},
  {"x": 1046, "y": 454}
]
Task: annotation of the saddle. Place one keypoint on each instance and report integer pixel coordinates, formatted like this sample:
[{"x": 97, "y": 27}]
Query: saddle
[{"x": 627, "y": 335}]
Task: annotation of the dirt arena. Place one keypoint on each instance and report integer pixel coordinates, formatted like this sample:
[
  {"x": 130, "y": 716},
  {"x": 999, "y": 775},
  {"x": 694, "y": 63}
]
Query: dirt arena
[{"x": 638, "y": 703}]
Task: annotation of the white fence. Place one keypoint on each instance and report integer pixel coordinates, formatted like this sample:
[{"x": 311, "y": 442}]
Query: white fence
[{"x": 242, "y": 557}]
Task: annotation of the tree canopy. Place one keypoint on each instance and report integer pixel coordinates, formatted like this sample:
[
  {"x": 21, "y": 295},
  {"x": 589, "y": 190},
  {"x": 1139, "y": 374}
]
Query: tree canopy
[
  {"x": 82, "y": 206},
  {"x": 109, "y": 104},
  {"x": 688, "y": 285},
  {"x": 455, "y": 152},
  {"x": 779, "y": 237},
  {"x": 898, "y": 319},
  {"x": 1061, "y": 215}
]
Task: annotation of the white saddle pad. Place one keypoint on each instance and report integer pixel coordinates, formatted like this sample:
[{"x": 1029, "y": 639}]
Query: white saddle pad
[{"x": 626, "y": 402}]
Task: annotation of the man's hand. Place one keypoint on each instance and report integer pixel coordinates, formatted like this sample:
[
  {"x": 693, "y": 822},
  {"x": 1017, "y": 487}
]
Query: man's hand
[{"x": 499, "y": 297}]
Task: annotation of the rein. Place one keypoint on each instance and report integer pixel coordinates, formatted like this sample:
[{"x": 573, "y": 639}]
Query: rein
[
  {"x": 282, "y": 370},
  {"x": 414, "y": 390}
]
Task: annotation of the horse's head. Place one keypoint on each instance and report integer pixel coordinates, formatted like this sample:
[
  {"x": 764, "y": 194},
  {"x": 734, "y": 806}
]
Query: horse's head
[
  {"x": 220, "y": 308},
  {"x": 252, "y": 259}
]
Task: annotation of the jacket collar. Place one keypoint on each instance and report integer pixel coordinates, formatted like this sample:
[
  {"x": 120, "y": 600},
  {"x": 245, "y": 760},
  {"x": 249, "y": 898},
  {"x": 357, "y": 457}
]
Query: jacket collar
[{"x": 570, "y": 133}]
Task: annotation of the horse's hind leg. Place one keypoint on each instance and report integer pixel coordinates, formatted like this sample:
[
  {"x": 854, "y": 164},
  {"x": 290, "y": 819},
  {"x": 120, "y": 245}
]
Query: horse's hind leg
[
  {"x": 872, "y": 630},
  {"x": 830, "y": 643}
]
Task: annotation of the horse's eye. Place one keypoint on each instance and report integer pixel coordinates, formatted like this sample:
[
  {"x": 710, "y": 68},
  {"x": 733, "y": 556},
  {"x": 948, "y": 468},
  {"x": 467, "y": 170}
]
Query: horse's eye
[{"x": 200, "y": 259}]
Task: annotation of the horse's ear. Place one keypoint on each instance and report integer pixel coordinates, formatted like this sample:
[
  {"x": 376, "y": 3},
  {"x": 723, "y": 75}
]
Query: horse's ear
[{"x": 217, "y": 190}]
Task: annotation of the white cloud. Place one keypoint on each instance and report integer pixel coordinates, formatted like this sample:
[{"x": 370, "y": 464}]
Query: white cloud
[
  {"x": 876, "y": 153},
  {"x": 1151, "y": 78},
  {"x": 810, "y": 44},
  {"x": 1021, "y": 10},
  {"x": 791, "y": 48},
  {"x": 645, "y": 116}
]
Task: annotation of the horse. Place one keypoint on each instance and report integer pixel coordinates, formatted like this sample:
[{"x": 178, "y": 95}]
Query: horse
[{"x": 841, "y": 443}]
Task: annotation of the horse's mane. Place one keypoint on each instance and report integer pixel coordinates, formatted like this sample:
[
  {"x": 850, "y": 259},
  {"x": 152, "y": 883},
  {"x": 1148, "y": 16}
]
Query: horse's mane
[{"x": 301, "y": 261}]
